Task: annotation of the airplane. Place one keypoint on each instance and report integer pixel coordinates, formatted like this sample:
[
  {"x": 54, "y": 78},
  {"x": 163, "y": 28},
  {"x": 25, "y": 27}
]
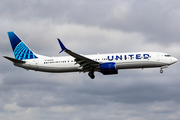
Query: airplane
[{"x": 107, "y": 64}]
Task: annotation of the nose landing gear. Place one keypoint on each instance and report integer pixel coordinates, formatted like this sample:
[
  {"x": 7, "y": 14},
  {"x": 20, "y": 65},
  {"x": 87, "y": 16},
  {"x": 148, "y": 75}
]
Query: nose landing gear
[{"x": 161, "y": 71}]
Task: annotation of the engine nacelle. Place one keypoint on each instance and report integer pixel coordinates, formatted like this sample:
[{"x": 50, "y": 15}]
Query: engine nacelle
[{"x": 108, "y": 68}]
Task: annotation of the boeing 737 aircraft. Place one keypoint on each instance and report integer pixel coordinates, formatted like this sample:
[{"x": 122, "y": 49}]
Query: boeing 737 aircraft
[{"x": 107, "y": 64}]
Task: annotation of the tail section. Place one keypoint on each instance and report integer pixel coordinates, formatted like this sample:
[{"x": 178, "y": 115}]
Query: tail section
[{"x": 20, "y": 49}]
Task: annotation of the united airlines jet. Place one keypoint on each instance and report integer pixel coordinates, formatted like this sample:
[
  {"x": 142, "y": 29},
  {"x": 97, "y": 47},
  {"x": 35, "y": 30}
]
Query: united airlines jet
[{"x": 107, "y": 64}]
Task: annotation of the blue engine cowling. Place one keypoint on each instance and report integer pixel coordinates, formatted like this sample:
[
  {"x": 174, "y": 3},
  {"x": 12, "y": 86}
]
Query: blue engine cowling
[{"x": 108, "y": 68}]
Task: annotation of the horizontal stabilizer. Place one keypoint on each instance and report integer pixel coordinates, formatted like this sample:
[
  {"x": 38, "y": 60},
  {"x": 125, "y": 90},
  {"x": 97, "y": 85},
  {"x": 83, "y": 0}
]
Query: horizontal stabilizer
[{"x": 14, "y": 60}]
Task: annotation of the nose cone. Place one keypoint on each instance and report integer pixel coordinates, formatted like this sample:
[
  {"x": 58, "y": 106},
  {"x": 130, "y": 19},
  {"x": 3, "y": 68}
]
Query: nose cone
[{"x": 174, "y": 60}]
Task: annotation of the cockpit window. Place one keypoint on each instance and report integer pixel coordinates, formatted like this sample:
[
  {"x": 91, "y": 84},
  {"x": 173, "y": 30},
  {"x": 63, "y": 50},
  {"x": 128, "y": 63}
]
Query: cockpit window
[{"x": 167, "y": 55}]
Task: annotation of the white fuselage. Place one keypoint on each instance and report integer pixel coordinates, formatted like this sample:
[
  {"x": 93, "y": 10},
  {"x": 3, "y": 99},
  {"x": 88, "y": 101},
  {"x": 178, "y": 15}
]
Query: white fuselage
[{"x": 121, "y": 60}]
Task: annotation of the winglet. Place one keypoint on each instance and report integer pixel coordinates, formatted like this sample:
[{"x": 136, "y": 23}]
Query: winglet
[{"x": 61, "y": 45}]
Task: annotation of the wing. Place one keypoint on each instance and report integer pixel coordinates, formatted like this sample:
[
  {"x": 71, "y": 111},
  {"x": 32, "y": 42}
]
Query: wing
[{"x": 84, "y": 62}]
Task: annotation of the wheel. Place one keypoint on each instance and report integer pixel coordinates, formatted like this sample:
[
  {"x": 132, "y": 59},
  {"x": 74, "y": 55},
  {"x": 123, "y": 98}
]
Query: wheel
[
  {"x": 161, "y": 71},
  {"x": 91, "y": 75}
]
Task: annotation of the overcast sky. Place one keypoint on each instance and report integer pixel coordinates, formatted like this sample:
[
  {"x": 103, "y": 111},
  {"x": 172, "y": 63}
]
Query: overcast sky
[{"x": 90, "y": 27}]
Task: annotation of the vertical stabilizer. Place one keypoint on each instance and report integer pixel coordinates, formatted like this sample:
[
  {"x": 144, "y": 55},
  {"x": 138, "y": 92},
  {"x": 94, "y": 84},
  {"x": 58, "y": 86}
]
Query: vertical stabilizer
[{"x": 20, "y": 49}]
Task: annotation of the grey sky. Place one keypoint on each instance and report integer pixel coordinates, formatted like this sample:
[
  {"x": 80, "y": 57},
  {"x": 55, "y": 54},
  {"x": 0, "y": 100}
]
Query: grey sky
[{"x": 90, "y": 27}]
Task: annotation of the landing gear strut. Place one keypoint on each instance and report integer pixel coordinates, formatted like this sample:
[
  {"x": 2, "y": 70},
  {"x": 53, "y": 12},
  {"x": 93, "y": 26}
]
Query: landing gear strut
[
  {"x": 91, "y": 74},
  {"x": 162, "y": 67}
]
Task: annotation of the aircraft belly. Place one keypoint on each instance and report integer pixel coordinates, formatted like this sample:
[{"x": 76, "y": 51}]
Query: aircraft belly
[
  {"x": 49, "y": 68},
  {"x": 58, "y": 69}
]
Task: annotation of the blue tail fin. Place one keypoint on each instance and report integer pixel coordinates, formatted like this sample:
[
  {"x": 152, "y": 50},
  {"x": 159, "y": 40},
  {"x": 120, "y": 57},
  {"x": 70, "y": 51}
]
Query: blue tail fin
[{"x": 21, "y": 50}]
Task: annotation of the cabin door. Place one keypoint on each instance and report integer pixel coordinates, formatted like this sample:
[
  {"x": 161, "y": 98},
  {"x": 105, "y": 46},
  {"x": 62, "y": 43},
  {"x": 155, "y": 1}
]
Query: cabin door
[{"x": 158, "y": 57}]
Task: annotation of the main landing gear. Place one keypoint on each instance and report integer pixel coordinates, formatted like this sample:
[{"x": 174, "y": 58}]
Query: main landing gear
[{"x": 91, "y": 74}]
